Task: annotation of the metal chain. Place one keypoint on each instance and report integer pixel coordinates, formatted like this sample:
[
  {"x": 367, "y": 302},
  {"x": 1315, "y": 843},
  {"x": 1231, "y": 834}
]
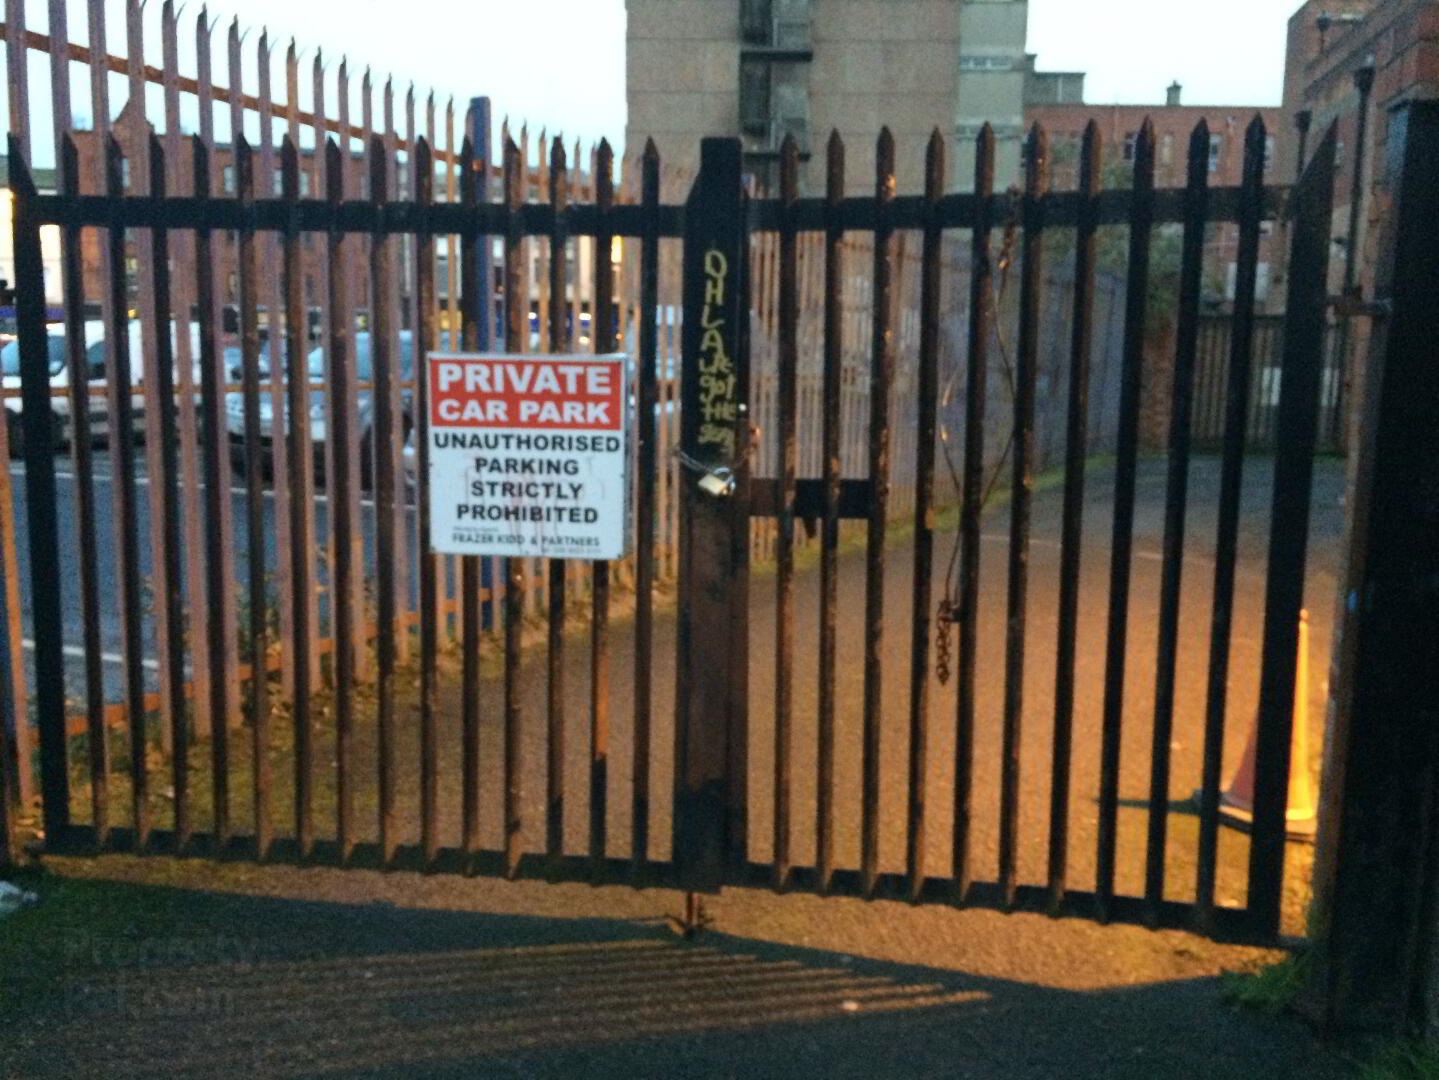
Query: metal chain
[{"x": 949, "y": 611}]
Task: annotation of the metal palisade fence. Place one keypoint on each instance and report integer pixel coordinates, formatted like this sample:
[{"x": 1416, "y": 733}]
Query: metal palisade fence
[{"x": 317, "y": 767}]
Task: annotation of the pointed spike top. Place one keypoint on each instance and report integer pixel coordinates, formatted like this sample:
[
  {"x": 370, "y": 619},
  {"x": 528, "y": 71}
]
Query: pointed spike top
[
  {"x": 167, "y": 11},
  {"x": 430, "y": 101},
  {"x": 202, "y": 20},
  {"x": 365, "y": 80},
  {"x": 936, "y": 140},
  {"x": 450, "y": 110},
  {"x": 292, "y": 53},
  {"x": 264, "y": 42},
  {"x": 1146, "y": 129},
  {"x": 835, "y": 143},
  {"x": 789, "y": 145},
  {"x": 1257, "y": 129},
  {"x": 410, "y": 95},
  {"x": 1201, "y": 129},
  {"x": 319, "y": 64},
  {"x": 235, "y": 30},
  {"x": 604, "y": 151},
  {"x": 885, "y": 142},
  {"x": 557, "y": 153},
  {"x": 934, "y": 166},
  {"x": 651, "y": 152}
]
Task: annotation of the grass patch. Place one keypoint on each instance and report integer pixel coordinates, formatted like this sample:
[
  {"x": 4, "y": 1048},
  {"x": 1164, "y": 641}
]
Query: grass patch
[
  {"x": 1403, "y": 1060},
  {"x": 1269, "y": 989}
]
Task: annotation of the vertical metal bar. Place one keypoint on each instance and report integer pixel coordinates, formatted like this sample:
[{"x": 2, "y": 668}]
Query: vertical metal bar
[
  {"x": 216, "y": 495},
  {"x": 297, "y": 431},
  {"x": 473, "y": 300},
  {"x": 1036, "y": 186},
  {"x": 1236, "y": 413},
  {"x": 829, "y": 529},
  {"x": 392, "y": 449},
  {"x": 353, "y": 293},
  {"x": 16, "y": 63},
  {"x": 342, "y": 497},
  {"x": 182, "y": 248},
  {"x": 1141, "y": 220},
  {"x": 981, "y": 314},
  {"x": 221, "y": 619},
  {"x": 1364, "y": 84},
  {"x": 171, "y": 601},
  {"x": 278, "y": 444},
  {"x": 881, "y": 374},
  {"x": 1072, "y": 527},
  {"x": 1295, "y": 431},
  {"x": 40, "y": 504},
  {"x": 604, "y": 342},
  {"x": 785, "y": 420},
  {"x": 423, "y": 340},
  {"x": 259, "y": 622},
  {"x": 122, "y": 439},
  {"x": 318, "y": 296},
  {"x": 927, "y": 404},
  {"x": 645, "y": 502},
  {"x": 516, "y": 340},
  {"x": 82, "y": 457},
  {"x": 384, "y": 433},
  {"x": 151, "y": 331},
  {"x": 555, "y": 767},
  {"x": 1196, "y": 214}
]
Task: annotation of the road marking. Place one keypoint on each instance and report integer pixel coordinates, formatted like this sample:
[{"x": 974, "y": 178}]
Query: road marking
[
  {"x": 107, "y": 657},
  {"x": 144, "y": 481}
]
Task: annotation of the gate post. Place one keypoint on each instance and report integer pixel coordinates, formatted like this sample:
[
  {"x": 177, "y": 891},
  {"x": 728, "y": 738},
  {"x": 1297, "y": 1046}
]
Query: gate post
[
  {"x": 711, "y": 687},
  {"x": 1376, "y": 877}
]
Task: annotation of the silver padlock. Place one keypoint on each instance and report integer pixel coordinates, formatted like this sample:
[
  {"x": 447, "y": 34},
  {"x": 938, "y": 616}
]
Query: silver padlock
[{"x": 717, "y": 482}]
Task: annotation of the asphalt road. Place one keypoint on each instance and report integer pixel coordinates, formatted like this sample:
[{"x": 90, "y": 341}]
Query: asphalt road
[{"x": 104, "y": 546}]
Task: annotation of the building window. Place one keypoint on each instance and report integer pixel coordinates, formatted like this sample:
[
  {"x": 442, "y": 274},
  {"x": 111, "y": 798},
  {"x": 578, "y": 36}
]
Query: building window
[
  {"x": 304, "y": 183},
  {"x": 1131, "y": 140},
  {"x": 233, "y": 286},
  {"x": 1268, "y": 151},
  {"x": 1216, "y": 152},
  {"x": 1166, "y": 149},
  {"x": 124, "y": 174},
  {"x": 227, "y": 179}
]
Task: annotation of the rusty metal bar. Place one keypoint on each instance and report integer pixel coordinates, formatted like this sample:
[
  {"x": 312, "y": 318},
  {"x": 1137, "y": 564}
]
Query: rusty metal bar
[
  {"x": 603, "y": 324},
  {"x": 1036, "y": 184},
  {"x": 383, "y": 432},
  {"x": 127, "y": 564},
  {"x": 516, "y": 340},
  {"x": 1226, "y": 544},
  {"x": 296, "y": 428},
  {"x": 340, "y": 483},
  {"x": 881, "y": 375},
  {"x": 785, "y": 422},
  {"x": 1081, "y": 344},
  {"x": 927, "y": 405},
  {"x": 555, "y": 683},
  {"x": 981, "y": 316},
  {"x": 831, "y": 434},
  {"x": 1186, "y": 346},
  {"x": 83, "y": 459},
  {"x": 1122, "y": 543},
  {"x": 647, "y": 463},
  {"x": 42, "y": 520},
  {"x": 218, "y": 629},
  {"x": 166, "y": 479},
  {"x": 259, "y": 622},
  {"x": 471, "y": 566}
]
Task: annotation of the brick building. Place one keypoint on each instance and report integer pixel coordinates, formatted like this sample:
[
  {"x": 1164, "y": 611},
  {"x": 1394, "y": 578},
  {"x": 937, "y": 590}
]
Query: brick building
[
  {"x": 1054, "y": 100},
  {"x": 1361, "y": 58}
]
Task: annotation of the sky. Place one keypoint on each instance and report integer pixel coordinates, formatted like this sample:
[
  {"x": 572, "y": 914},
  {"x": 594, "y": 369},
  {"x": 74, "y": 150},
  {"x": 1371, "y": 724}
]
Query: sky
[{"x": 560, "y": 63}]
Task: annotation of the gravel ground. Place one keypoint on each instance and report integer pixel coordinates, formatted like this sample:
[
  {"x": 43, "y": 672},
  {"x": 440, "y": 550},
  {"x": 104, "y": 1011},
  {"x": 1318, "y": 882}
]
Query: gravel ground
[{"x": 358, "y": 974}]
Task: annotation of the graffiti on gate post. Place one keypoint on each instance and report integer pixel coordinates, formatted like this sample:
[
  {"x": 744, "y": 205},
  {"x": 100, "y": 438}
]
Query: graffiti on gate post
[{"x": 709, "y": 821}]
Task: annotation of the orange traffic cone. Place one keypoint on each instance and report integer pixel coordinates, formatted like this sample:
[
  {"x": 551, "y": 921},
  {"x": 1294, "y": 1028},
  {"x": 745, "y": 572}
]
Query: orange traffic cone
[{"x": 1236, "y": 803}]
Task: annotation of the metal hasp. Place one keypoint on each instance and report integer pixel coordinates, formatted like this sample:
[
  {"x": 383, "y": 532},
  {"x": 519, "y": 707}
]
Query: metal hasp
[
  {"x": 710, "y": 693},
  {"x": 1377, "y": 874}
]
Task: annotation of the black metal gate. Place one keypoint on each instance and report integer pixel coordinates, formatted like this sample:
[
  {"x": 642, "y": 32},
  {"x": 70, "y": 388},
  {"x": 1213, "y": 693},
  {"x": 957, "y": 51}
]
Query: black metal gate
[{"x": 314, "y": 749}]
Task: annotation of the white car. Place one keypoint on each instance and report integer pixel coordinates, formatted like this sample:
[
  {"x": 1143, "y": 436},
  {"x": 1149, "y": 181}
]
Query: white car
[{"x": 95, "y": 375}]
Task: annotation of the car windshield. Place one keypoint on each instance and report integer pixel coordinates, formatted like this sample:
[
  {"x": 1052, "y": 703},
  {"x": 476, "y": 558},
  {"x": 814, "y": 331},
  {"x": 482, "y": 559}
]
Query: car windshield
[{"x": 10, "y": 356}]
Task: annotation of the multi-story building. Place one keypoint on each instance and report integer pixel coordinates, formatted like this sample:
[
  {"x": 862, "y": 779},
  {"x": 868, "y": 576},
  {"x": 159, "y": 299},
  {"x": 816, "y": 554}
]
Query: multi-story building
[{"x": 764, "y": 69}]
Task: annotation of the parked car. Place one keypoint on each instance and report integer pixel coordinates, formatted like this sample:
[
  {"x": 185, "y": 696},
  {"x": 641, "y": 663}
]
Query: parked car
[
  {"x": 364, "y": 421},
  {"x": 95, "y": 374}
]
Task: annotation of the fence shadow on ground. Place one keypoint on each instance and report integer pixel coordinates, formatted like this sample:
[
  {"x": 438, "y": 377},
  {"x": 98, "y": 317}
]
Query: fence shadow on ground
[{"x": 121, "y": 979}]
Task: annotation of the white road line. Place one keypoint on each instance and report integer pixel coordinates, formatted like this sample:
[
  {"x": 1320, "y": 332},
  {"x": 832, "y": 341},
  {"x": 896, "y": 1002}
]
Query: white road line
[
  {"x": 108, "y": 657},
  {"x": 144, "y": 481}
]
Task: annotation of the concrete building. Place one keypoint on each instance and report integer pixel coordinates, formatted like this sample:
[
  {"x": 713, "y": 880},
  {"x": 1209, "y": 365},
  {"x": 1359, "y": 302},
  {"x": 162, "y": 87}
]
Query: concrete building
[{"x": 762, "y": 69}]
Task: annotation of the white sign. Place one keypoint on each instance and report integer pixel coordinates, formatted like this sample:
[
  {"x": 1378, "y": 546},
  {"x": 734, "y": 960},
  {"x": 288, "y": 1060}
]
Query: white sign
[{"x": 528, "y": 455}]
